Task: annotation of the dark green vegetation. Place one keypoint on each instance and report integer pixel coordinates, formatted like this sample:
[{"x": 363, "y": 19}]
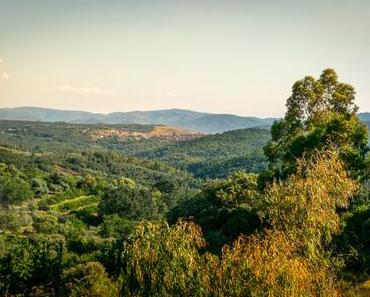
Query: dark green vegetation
[
  {"x": 205, "y": 157},
  {"x": 131, "y": 210},
  {"x": 215, "y": 155},
  {"x": 320, "y": 113},
  {"x": 197, "y": 121},
  {"x": 61, "y": 209}
]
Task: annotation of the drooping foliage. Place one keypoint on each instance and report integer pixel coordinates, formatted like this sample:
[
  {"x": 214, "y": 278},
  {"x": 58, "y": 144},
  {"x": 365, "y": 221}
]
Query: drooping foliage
[
  {"x": 271, "y": 265},
  {"x": 164, "y": 261},
  {"x": 305, "y": 205},
  {"x": 287, "y": 259}
]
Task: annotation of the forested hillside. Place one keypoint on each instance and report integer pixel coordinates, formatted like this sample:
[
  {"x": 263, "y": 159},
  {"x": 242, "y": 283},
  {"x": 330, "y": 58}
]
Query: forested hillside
[
  {"x": 41, "y": 136},
  {"x": 204, "y": 156},
  {"x": 215, "y": 155},
  {"x": 150, "y": 210},
  {"x": 75, "y": 203}
]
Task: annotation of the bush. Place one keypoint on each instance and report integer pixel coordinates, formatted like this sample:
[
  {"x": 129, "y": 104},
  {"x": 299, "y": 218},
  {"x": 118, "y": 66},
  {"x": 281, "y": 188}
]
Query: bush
[
  {"x": 131, "y": 202},
  {"x": 13, "y": 190},
  {"x": 90, "y": 279}
]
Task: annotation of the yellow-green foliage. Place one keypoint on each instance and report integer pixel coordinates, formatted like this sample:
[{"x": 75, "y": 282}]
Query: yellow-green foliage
[
  {"x": 125, "y": 181},
  {"x": 76, "y": 203},
  {"x": 90, "y": 279},
  {"x": 163, "y": 260},
  {"x": 361, "y": 290},
  {"x": 270, "y": 265},
  {"x": 287, "y": 259},
  {"x": 365, "y": 288},
  {"x": 240, "y": 188},
  {"x": 45, "y": 223},
  {"x": 304, "y": 206}
]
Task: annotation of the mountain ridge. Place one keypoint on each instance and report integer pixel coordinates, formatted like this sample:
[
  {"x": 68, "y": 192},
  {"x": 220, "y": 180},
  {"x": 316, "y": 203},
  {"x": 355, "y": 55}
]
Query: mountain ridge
[{"x": 180, "y": 118}]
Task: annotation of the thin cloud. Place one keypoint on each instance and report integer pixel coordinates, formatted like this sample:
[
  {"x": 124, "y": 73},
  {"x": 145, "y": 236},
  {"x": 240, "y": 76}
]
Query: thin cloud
[
  {"x": 85, "y": 90},
  {"x": 6, "y": 75},
  {"x": 1, "y": 60}
]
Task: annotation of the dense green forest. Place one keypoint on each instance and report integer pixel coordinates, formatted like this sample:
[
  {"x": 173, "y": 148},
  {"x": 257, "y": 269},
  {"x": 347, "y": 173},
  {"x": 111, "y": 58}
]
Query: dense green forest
[
  {"x": 204, "y": 156},
  {"x": 122, "y": 210}
]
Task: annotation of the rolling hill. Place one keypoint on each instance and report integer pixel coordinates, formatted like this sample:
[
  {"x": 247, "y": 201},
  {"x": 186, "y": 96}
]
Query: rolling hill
[
  {"x": 47, "y": 136},
  {"x": 213, "y": 156},
  {"x": 204, "y": 156},
  {"x": 197, "y": 121}
]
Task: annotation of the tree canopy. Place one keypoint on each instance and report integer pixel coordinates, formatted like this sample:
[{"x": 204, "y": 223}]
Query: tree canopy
[{"x": 321, "y": 113}]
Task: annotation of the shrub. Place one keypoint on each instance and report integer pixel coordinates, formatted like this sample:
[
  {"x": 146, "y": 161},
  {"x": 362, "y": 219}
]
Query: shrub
[{"x": 90, "y": 279}]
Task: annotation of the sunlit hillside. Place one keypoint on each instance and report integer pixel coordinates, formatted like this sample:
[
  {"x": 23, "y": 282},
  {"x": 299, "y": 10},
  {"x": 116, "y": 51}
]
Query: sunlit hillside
[{"x": 184, "y": 148}]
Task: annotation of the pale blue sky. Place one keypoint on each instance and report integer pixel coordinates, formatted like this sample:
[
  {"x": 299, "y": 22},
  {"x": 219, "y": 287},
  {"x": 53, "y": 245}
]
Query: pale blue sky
[{"x": 219, "y": 56}]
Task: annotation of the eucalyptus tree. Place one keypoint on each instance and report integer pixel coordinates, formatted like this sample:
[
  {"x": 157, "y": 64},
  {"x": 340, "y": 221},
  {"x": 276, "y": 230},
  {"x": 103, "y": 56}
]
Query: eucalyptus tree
[{"x": 321, "y": 113}]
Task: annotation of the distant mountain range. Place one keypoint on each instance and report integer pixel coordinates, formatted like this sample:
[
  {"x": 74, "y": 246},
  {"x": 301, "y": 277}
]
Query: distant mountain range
[
  {"x": 197, "y": 121},
  {"x": 365, "y": 117}
]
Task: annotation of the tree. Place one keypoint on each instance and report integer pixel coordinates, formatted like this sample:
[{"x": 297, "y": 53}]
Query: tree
[
  {"x": 224, "y": 209},
  {"x": 164, "y": 261},
  {"x": 131, "y": 201},
  {"x": 13, "y": 187},
  {"x": 305, "y": 205},
  {"x": 320, "y": 113},
  {"x": 39, "y": 186},
  {"x": 89, "y": 279},
  {"x": 354, "y": 241},
  {"x": 28, "y": 262},
  {"x": 288, "y": 258}
]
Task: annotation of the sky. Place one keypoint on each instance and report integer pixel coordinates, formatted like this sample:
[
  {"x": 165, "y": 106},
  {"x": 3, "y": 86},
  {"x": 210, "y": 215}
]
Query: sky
[{"x": 222, "y": 56}]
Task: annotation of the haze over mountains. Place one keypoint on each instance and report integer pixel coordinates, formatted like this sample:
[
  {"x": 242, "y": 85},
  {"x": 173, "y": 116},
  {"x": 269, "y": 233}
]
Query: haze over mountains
[
  {"x": 197, "y": 121},
  {"x": 365, "y": 117}
]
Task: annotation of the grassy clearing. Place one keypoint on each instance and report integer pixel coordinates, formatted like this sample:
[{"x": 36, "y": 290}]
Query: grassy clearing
[{"x": 75, "y": 204}]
